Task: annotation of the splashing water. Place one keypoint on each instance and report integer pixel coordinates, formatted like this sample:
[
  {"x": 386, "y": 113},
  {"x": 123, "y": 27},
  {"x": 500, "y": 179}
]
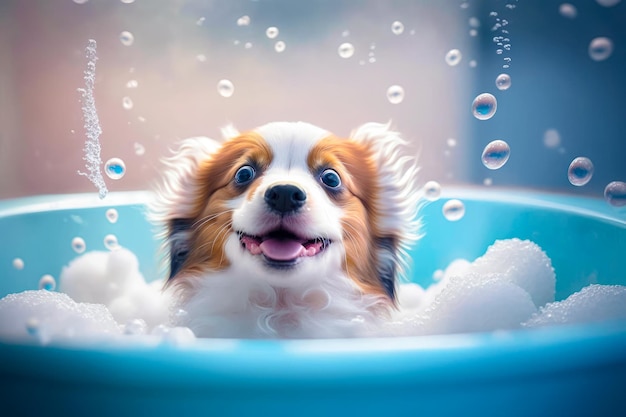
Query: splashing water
[
  {"x": 484, "y": 106},
  {"x": 453, "y": 57},
  {"x": 346, "y": 50},
  {"x": 397, "y": 27},
  {"x": 453, "y": 210},
  {"x": 496, "y": 154},
  {"x": 225, "y": 88},
  {"x": 615, "y": 193},
  {"x": 503, "y": 81},
  {"x": 600, "y": 48},
  {"x": 115, "y": 168},
  {"x": 580, "y": 171},
  {"x": 395, "y": 94},
  {"x": 432, "y": 191},
  {"x": 47, "y": 282},
  {"x": 79, "y": 245},
  {"x": 91, "y": 123}
]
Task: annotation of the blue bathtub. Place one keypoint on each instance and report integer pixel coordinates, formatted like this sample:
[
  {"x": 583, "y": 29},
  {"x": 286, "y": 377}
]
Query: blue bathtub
[{"x": 565, "y": 371}]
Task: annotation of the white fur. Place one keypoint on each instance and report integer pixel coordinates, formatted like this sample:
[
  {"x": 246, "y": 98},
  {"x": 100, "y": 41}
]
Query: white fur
[{"x": 316, "y": 298}]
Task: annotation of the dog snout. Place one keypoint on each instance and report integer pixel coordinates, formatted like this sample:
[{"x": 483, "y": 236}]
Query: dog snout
[{"x": 285, "y": 198}]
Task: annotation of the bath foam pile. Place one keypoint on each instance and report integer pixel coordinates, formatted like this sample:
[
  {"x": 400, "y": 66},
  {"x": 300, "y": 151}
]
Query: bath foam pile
[{"x": 512, "y": 286}]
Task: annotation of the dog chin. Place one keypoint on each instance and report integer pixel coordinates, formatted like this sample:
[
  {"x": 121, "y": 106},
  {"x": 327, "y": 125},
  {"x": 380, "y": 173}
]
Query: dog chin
[{"x": 306, "y": 268}]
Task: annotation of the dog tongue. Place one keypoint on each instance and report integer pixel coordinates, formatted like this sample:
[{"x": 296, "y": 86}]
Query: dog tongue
[{"x": 282, "y": 249}]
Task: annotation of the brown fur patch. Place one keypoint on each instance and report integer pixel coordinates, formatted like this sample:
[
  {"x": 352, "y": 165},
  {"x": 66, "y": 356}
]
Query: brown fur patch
[
  {"x": 354, "y": 162},
  {"x": 211, "y": 218}
]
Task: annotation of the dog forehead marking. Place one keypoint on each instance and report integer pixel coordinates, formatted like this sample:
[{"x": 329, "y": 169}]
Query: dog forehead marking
[{"x": 291, "y": 142}]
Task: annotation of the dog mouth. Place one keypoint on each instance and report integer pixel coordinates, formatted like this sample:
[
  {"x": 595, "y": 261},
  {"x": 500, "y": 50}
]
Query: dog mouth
[{"x": 283, "y": 248}]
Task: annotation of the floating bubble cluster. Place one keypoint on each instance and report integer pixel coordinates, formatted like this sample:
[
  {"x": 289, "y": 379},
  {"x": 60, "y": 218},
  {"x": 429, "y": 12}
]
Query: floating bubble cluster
[
  {"x": 580, "y": 171},
  {"x": 453, "y": 210},
  {"x": 503, "y": 81},
  {"x": 600, "y": 48},
  {"x": 496, "y": 154},
  {"x": 432, "y": 191},
  {"x": 225, "y": 88},
  {"x": 484, "y": 106},
  {"x": 346, "y": 50},
  {"x": 615, "y": 193},
  {"x": 115, "y": 168},
  {"x": 395, "y": 94},
  {"x": 453, "y": 57}
]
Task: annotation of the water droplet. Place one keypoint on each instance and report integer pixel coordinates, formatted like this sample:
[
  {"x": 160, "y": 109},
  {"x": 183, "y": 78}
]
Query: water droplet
[
  {"x": 615, "y": 193},
  {"x": 451, "y": 142},
  {"x": 225, "y": 88},
  {"x": 495, "y": 154},
  {"x": 503, "y": 81},
  {"x": 580, "y": 171},
  {"x": 484, "y": 106},
  {"x": 79, "y": 245},
  {"x": 112, "y": 215},
  {"x": 115, "y": 168},
  {"x": 201, "y": 58},
  {"x": 271, "y": 32},
  {"x": 140, "y": 150},
  {"x": 132, "y": 84},
  {"x": 432, "y": 191},
  {"x": 18, "y": 264},
  {"x": 243, "y": 21},
  {"x": 135, "y": 327},
  {"x": 47, "y": 282},
  {"x": 127, "y": 38},
  {"x": 600, "y": 48},
  {"x": 110, "y": 242},
  {"x": 551, "y": 138},
  {"x": 279, "y": 46},
  {"x": 453, "y": 210},
  {"x": 395, "y": 94},
  {"x": 453, "y": 57},
  {"x": 608, "y": 3},
  {"x": 200, "y": 21},
  {"x": 127, "y": 103},
  {"x": 346, "y": 50},
  {"x": 397, "y": 27}
]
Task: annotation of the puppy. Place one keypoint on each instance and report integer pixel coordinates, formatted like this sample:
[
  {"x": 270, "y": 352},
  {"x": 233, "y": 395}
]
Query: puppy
[{"x": 288, "y": 230}]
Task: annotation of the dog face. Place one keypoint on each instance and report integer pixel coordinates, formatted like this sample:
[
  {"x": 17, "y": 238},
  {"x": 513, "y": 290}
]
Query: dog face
[{"x": 291, "y": 205}]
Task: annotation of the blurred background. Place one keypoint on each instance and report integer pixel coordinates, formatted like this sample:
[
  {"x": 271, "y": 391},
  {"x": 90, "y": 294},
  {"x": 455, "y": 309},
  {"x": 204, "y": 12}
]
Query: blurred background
[{"x": 158, "y": 83}]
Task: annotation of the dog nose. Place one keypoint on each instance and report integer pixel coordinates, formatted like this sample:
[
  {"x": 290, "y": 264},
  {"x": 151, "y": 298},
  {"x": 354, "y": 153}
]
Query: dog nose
[{"x": 285, "y": 198}]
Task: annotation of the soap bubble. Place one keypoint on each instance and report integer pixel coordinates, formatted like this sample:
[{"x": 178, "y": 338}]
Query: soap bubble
[
  {"x": 451, "y": 142},
  {"x": 568, "y": 10},
  {"x": 18, "y": 264},
  {"x": 225, "y": 88},
  {"x": 395, "y": 94},
  {"x": 551, "y": 138},
  {"x": 608, "y": 3},
  {"x": 127, "y": 38},
  {"x": 474, "y": 22},
  {"x": 80, "y": 1},
  {"x": 271, "y": 32},
  {"x": 453, "y": 57},
  {"x": 600, "y": 48},
  {"x": 503, "y": 81},
  {"x": 495, "y": 154},
  {"x": 346, "y": 50},
  {"x": 397, "y": 27},
  {"x": 132, "y": 84},
  {"x": 473, "y": 63},
  {"x": 615, "y": 193},
  {"x": 580, "y": 171},
  {"x": 432, "y": 191},
  {"x": 247, "y": 45},
  {"x": 453, "y": 210},
  {"x": 279, "y": 46},
  {"x": 484, "y": 106},
  {"x": 201, "y": 58},
  {"x": 243, "y": 21},
  {"x": 47, "y": 282},
  {"x": 127, "y": 1},
  {"x": 127, "y": 103},
  {"x": 488, "y": 182},
  {"x": 115, "y": 168},
  {"x": 200, "y": 21},
  {"x": 112, "y": 215},
  {"x": 139, "y": 149},
  {"x": 110, "y": 242},
  {"x": 79, "y": 245}
]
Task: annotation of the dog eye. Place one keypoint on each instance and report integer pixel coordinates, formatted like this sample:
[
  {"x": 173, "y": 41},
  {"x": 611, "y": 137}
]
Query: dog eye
[
  {"x": 330, "y": 178},
  {"x": 244, "y": 175}
]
